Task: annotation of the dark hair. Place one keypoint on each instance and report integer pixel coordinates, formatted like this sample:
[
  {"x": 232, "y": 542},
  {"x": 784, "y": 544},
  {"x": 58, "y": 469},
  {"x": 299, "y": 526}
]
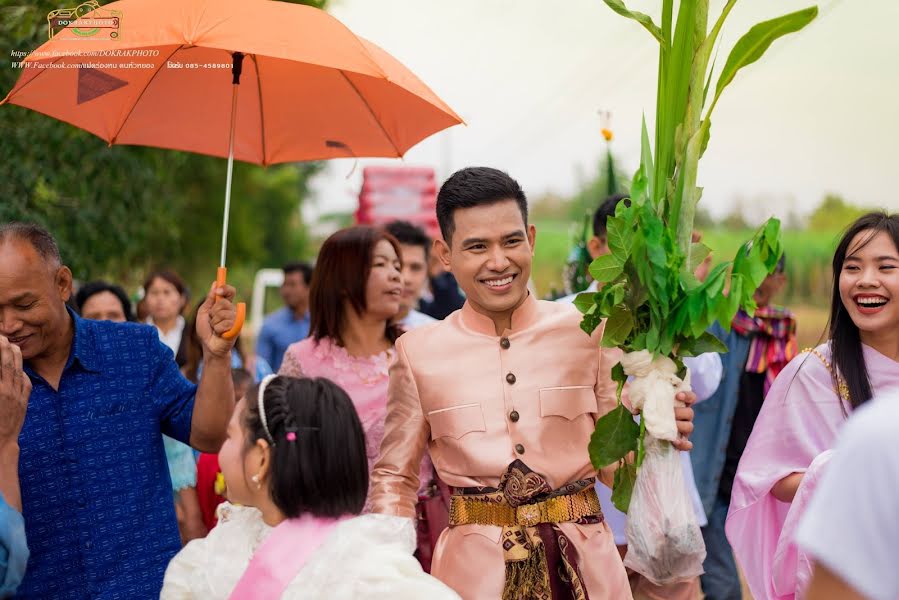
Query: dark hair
[
  {"x": 410, "y": 235},
  {"x": 97, "y": 287},
  {"x": 169, "y": 276},
  {"x": 240, "y": 377},
  {"x": 606, "y": 210},
  {"x": 342, "y": 270},
  {"x": 781, "y": 265},
  {"x": 323, "y": 472},
  {"x": 299, "y": 267},
  {"x": 845, "y": 341},
  {"x": 39, "y": 238},
  {"x": 476, "y": 186}
]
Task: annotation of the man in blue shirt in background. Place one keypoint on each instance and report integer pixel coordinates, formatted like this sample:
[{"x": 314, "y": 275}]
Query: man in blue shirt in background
[
  {"x": 291, "y": 323},
  {"x": 96, "y": 493}
]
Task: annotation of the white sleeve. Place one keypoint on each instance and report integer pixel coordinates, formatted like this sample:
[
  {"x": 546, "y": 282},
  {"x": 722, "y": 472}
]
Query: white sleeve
[
  {"x": 706, "y": 371},
  {"x": 209, "y": 568},
  {"x": 187, "y": 565},
  {"x": 399, "y": 577},
  {"x": 851, "y": 525}
]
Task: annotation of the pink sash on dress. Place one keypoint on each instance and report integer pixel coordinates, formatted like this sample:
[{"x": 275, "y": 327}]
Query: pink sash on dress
[{"x": 281, "y": 556}]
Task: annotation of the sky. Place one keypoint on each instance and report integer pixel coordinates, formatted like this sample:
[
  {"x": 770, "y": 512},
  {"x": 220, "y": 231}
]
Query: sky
[{"x": 817, "y": 115}]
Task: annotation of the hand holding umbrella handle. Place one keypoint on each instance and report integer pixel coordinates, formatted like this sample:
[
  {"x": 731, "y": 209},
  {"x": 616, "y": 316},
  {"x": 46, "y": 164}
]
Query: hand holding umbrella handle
[{"x": 220, "y": 278}]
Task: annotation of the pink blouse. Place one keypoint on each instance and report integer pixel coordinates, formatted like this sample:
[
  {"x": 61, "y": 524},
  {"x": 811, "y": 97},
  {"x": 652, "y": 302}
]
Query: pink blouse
[{"x": 364, "y": 379}]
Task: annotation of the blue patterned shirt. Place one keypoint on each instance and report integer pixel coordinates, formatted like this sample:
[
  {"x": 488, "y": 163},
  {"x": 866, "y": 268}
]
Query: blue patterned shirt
[
  {"x": 279, "y": 330},
  {"x": 96, "y": 493}
]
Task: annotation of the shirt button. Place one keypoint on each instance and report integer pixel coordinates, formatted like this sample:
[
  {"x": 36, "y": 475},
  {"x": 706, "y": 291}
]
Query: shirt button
[
  {"x": 510, "y": 378},
  {"x": 81, "y": 503},
  {"x": 514, "y": 416},
  {"x": 505, "y": 343},
  {"x": 88, "y": 545},
  {"x": 519, "y": 448}
]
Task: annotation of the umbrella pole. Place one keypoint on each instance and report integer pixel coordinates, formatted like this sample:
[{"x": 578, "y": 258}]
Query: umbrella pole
[
  {"x": 221, "y": 275},
  {"x": 235, "y": 70}
]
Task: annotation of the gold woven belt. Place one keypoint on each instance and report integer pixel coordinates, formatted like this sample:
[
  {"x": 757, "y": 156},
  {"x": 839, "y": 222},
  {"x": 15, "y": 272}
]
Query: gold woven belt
[{"x": 469, "y": 510}]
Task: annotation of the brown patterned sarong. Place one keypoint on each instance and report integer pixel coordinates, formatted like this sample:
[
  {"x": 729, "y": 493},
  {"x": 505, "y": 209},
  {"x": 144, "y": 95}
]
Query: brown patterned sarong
[{"x": 541, "y": 562}]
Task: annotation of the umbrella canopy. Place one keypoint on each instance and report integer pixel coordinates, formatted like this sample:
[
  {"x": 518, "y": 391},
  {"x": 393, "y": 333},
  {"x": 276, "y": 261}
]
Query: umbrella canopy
[
  {"x": 166, "y": 73},
  {"x": 160, "y": 74}
]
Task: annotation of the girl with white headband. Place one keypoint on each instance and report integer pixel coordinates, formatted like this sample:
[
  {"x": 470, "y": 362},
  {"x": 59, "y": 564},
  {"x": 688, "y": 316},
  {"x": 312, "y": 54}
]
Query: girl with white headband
[{"x": 296, "y": 471}]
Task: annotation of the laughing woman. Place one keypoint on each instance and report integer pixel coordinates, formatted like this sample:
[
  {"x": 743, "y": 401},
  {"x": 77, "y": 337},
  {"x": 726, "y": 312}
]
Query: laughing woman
[
  {"x": 356, "y": 291},
  {"x": 809, "y": 401}
]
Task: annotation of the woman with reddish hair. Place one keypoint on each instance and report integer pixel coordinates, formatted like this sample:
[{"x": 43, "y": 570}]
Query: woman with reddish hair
[{"x": 356, "y": 291}]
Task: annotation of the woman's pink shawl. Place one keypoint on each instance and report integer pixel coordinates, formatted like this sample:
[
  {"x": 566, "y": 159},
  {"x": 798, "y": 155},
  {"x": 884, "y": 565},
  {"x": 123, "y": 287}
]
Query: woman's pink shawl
[
  {"x": 798, "y": 421},
  {"x": 794, "y": 567},
  {"x": 281, "y": 556}
]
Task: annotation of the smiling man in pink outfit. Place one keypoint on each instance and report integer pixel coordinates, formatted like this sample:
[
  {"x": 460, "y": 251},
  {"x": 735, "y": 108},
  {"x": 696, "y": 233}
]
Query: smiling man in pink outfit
[{"x": 504, "y": 394}]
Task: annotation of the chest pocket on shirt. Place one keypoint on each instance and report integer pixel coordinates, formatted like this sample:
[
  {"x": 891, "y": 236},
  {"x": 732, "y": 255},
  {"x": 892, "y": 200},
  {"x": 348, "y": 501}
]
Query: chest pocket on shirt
[
  {"x": 112, "y": 409},
  {"x": 569, "y": 402},
  {"x": 456, "y": 421}
]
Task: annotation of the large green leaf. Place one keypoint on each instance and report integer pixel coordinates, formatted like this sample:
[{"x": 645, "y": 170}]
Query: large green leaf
[
  {"x": 621, "y": 237},
  {"x": 606, "y": 268},
  {"x": 714, "y": 285},
  {"x": 615, "y": 435},
  {"x": 620, "y": 378},
  {"x": 623, "y": 486},
  {"x": 728, "y": 305},
  {"x": 757, "y": 40},
  {"x": 585, "y": 300},
  {"x": 641, "y": 18},
  {"x": 698, "y": 253},
  {"x": 591, "y": 320},
  {"x": 618, "y": 326},
  {"x": 610, "y": 297},
  {"x": 707, "y": 342},
  {"x": 646, "y": 159}
]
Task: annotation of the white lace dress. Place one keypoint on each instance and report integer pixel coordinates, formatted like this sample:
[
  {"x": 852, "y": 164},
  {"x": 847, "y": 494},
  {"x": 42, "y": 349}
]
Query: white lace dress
[{"x": 367, "y": 557}]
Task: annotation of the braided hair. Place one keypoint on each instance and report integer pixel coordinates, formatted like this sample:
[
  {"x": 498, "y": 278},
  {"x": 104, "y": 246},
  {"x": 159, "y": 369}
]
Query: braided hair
[{"x": 319, "y": 463}]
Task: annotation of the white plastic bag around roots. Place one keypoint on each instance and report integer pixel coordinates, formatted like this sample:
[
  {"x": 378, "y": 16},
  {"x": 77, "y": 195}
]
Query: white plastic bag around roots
[{"x": 664, "y": 542}]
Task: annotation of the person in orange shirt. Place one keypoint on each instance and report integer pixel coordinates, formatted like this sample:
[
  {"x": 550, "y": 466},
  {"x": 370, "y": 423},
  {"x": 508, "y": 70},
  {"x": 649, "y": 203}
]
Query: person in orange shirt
[{"x": 504, "y": 393}]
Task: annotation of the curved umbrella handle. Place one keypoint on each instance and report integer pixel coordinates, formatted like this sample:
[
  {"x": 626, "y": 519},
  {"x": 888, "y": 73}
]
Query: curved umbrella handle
[{"x": 220, "y": 279}]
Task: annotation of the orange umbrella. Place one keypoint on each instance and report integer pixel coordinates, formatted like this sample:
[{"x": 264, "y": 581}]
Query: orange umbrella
[{"x": 158, "y": 72}]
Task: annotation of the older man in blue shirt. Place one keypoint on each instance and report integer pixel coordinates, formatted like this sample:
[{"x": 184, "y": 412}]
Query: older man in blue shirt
[{"x": 96, "y": 493}]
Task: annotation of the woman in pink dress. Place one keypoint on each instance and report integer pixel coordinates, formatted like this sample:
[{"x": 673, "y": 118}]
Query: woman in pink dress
[
  {"x": 809, "y": 401},
  {"x": 356, "y": 290}
]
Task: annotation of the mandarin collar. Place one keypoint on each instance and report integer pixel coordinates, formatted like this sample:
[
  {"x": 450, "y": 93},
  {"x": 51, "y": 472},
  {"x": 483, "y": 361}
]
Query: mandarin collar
[
  {"x": 523, "y": 317},
  {"x": 82, "y": 343}
]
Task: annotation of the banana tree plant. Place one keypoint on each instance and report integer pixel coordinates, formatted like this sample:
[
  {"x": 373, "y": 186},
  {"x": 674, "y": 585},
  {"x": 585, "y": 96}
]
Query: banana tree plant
[{"x": 649, "y": 296}]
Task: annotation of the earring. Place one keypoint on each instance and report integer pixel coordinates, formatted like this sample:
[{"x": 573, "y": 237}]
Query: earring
[{"x": 255, "y": 479}]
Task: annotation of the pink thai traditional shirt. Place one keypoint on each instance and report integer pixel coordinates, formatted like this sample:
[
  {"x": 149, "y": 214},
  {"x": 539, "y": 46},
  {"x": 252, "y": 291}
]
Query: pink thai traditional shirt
[
  {"x": 798, "y": 422},
  {"x": 364, "y": 379},
  {"x": 477, "y": 401}
]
